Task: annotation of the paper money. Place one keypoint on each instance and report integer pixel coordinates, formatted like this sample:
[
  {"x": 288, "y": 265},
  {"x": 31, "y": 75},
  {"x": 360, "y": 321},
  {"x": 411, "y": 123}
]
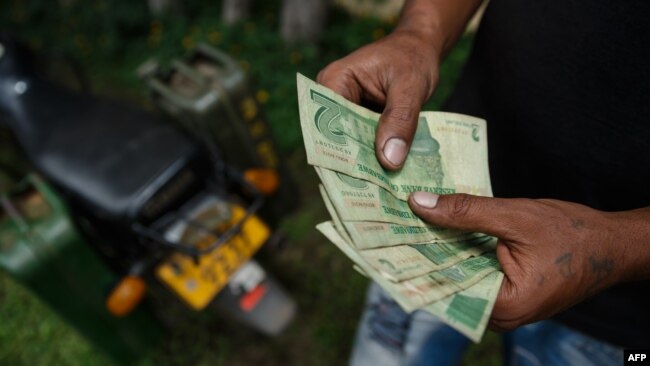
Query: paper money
[
  {"x": 373, "y": 234},
  {"x": 398, "y": 263},
  {"x": 369, "y": 235},
  {"x": 338, "y": 224},
  {"x": 417, "y": 292},
  {"x": 452, "y": 274},
  {"x": 468, "y": 311},
  {"x": 402, "y": 262},
  {"x": 359, "y": 200},
  {"x": 448, "y": 154},
  {"x": 355, "y": 199}
]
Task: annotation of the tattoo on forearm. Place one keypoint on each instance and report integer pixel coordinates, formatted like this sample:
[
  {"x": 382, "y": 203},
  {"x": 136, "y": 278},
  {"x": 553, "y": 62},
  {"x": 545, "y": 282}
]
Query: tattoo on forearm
[
  {"x": 601, "y": 268},
  {"x": 565, "y": 263},
  {"x": 577, "y": 224}
]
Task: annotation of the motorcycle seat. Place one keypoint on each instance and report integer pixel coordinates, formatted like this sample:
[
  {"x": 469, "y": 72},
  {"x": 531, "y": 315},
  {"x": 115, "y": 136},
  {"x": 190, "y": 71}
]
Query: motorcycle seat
[{"x": 102, "y": 153}]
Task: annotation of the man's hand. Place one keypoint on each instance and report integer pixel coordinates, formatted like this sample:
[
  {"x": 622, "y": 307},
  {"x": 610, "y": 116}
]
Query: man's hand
[
  {"x": 553, "y": 253},
  {"x": 400, "y": 72}
]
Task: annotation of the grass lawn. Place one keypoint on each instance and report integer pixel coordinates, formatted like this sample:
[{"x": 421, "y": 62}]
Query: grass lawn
[{"x": 111, "y": 41}]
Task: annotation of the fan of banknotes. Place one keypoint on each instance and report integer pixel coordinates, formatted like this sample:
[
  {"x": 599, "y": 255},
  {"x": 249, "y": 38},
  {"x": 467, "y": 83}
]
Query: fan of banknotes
[{"x": 451, "y": 274}]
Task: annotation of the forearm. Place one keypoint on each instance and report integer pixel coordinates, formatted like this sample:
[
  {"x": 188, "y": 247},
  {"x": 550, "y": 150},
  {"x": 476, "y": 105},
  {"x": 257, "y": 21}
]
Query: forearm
[
  {"x": 442, "y": 21},
  {"x": 630, "y": 235}
]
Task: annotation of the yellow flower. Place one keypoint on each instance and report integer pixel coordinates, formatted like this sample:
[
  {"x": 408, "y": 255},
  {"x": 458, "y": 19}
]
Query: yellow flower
[
  {"x": 262, "y": 96},
  {"x": 248, "y": 108},
  {"x": 295, "y": 57},
  {"x": 235, "y": 49},
  {"x": 214, "y": 37},
  {"x": 188, "y": 42},
  {"x": 153, "y": 41},
  {"x": 155, "y": 28},
  {"x": 245, "y": 65}
]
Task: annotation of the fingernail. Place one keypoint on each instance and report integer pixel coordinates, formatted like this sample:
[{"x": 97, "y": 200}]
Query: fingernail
[
  {"x": 395, "y": 150},
  {"x": 426, "y": 200}
]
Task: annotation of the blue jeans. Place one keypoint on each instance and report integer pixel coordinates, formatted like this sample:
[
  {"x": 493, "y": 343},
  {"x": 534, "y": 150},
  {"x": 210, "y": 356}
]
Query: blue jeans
[{"x": 388, "y": 336}]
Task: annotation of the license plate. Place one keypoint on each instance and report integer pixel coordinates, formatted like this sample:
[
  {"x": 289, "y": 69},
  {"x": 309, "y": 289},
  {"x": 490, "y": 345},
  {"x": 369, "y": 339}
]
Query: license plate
[{"x": 198, "y": 283}]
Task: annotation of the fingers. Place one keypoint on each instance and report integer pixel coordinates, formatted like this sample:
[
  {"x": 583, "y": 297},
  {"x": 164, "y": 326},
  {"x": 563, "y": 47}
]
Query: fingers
[
  {"x": 341, "y": 81},
  {"x": 492, "y": 216},
  {"x": 402, "y": 94},
  {"x": 398, "y": 123},
  {"x": 506, "y": 313}
]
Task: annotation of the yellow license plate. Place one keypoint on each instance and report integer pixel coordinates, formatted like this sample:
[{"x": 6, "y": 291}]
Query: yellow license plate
[{"x": 198, "y": 283}]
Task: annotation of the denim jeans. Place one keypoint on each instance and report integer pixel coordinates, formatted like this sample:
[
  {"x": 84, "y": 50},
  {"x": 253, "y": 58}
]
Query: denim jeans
[{"x": 388, "y": 336}]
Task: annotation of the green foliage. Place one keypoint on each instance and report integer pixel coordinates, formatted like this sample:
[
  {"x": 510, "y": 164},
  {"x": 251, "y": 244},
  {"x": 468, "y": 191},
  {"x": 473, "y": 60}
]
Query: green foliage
[{"x": 112, "y": 38}]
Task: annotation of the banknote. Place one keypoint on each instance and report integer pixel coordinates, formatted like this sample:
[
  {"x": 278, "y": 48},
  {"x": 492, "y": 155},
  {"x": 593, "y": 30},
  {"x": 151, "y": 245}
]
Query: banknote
[
  {"x": 401, "y": 262},
  {"x": 417, "y": 292},
  {"x": 404, "y": 300},
  {"x": 360, "y": 271},
  {"x": 359, "y": 200},
  {"x": 338, "y": 224},
  {"x": 468, "y": 311},
  {"x": 398, "y": 263},
  {"x": 448, "y": 153},
  {"x": 374, "y": 234}
]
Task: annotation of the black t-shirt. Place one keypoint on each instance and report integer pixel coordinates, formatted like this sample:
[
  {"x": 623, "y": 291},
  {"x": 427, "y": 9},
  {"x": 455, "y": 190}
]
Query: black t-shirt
[{"x": 565, "y": 88}]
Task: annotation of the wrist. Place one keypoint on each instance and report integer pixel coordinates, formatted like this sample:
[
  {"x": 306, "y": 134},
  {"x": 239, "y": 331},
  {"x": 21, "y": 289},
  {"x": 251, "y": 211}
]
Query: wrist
[
  {"x": 420, "y": 18},
  {"x": 630, "y": 238},
  {"x": 420, "y": 23},
  {"x": 438, "y": 22}
]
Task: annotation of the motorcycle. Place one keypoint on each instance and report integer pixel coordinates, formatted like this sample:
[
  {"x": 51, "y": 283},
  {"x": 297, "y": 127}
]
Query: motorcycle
[{"x": 123, "y": 214}]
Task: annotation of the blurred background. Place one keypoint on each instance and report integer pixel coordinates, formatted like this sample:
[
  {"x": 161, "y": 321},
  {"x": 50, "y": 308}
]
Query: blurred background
[{"x": 269, "y": 41}]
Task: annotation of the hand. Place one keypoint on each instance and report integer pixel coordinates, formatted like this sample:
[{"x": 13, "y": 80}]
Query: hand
[
  {"x": 553, "y": 253},
  {"x": 399, "y": 71}
]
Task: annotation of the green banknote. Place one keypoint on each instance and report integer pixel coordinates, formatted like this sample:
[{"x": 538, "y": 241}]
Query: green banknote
[
  {"x": 426, "y": 291},
  {"x": 406, "y": 297},
  {"x": 468, "y": 311},
  {"x": 359, "y": 200},
  {"x": 448, "y": 154},
  {"x": 374, "y": 234},
  {"x": 402, "y": 262},
  {"x": 338, "y": 224}
]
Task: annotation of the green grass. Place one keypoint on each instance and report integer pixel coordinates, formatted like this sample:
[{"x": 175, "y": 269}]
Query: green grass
[
  {"x": 111, "y": 39},
  {"x": 31, "y": 334}
]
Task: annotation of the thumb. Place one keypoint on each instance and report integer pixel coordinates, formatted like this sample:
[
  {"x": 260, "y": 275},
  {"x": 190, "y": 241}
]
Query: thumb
[
  {"x": 492, "y": 216},
  {"x": 398, "y": 123}
]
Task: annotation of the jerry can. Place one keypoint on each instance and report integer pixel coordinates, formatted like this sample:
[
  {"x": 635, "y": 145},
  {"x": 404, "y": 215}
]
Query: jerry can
[
  {"x": 41, "y": 249},
  {"x": 210, "y": 95}
]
